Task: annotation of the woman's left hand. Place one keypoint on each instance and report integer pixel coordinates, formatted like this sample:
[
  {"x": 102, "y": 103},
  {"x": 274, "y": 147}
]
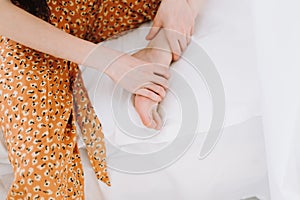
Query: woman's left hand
[{"x": 178, "y": 19}]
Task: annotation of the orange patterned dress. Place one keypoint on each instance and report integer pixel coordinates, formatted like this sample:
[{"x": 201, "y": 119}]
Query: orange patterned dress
[{"x": 41, "y": 98}]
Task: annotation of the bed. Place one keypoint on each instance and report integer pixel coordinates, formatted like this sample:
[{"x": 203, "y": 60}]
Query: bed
[
  {"x": 236, "y": 167},
  {"x": 232, "y": 169}
]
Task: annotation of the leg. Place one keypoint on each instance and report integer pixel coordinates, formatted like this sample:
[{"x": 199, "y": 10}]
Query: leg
[
  {"x": 39, "y": 129},
  {"x": 157, "y": 51},
  {"x": 51, "y": 174},
  {"x": 118, "y": 16},
  {"x": 115, "y": 17}
]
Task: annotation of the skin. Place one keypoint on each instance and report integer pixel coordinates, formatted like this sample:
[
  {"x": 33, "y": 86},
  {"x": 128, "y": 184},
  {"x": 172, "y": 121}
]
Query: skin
[
  {"x": 157, "y": 51},
  {"x": 44, "y": 37},
  {"x": 166, "y": 40},
  {"x": 178, "y": 29}
]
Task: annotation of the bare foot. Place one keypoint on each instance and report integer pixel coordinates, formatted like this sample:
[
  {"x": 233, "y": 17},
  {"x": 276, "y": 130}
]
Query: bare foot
[
  {"x": 145, "y": 107},
  {"x": 147, "y": 110},
  {"x": 153, "y": 55}
]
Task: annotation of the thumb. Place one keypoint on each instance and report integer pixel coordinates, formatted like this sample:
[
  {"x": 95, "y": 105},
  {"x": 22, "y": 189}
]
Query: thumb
[{"x": 154, "y": 30}]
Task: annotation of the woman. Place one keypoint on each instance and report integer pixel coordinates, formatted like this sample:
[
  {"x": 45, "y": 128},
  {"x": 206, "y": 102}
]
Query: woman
[{"x": 42, "y": 93}]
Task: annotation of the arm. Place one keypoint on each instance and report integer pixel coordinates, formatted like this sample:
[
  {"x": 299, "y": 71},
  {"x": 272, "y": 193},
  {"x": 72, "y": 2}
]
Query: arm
[
  {"x": 33, "y": 32},
  {"x": 196, "y": 6},
  {"x": 178, "y": 20}
]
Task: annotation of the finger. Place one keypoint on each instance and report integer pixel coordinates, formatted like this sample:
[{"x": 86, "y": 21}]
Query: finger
[
  {"x": 175, "y": 47},
  {"x": 172, "y": 37},
  {"x": 188, "y": 37},
  {"x": 154, "y": 30},
  {"x": 183, "y": 43},
  {"x": 149, "y": 94},
  {"x": 157, "y": 89},
  {"x": 162, "y": 71},
  {"x": 160, "y": 81},
  {"x": 157, "y": 118},
  {"x": 176, "y": 50},
  {"x": 192, "y": 30},
  {"x": 133, "y": 99}
]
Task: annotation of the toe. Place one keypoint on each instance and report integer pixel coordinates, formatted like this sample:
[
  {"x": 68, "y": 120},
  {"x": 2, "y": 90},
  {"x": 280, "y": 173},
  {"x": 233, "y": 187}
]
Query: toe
[
  {"x": 144, "y": 112},
  {"x": 158, "y": 119}
]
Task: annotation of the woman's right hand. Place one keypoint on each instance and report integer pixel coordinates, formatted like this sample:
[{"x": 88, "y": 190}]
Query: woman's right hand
[{"x": 134, "y": 75}]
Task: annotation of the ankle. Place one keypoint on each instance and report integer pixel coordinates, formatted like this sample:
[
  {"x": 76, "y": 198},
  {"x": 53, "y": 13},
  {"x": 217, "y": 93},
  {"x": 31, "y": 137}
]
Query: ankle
[{"x": 159, "y": 55}]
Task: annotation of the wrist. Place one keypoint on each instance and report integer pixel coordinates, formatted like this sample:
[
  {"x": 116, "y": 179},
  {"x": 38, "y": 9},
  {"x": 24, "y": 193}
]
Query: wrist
[
  {"x": 101, "y": 58},
  {"x": 112, "y": 62},
  {"x": 86, "y": 48}
]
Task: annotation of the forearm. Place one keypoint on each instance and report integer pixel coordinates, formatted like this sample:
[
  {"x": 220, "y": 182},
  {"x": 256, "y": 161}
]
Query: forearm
[
  {"x": 35, "y": 33},
  {"x": 196, "y": 6}
]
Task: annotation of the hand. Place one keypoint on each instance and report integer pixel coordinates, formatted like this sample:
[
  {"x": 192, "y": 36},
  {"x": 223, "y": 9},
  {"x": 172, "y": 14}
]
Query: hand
[
  {"x": 134, "y": 75},
  {"x": 178, "y": 19},
  {"x": 139, "y": 77},
  {"x": 154, "y": 54}
]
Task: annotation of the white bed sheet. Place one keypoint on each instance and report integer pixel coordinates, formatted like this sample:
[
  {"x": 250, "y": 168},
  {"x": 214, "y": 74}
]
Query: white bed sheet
[
  {"x": 236, "y": 169},
  {"x": 278, "y": 44}
]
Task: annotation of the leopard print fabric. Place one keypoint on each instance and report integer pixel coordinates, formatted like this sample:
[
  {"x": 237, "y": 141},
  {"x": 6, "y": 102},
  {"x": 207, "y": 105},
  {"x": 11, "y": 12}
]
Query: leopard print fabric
[{"x": 41, "y": 98}]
